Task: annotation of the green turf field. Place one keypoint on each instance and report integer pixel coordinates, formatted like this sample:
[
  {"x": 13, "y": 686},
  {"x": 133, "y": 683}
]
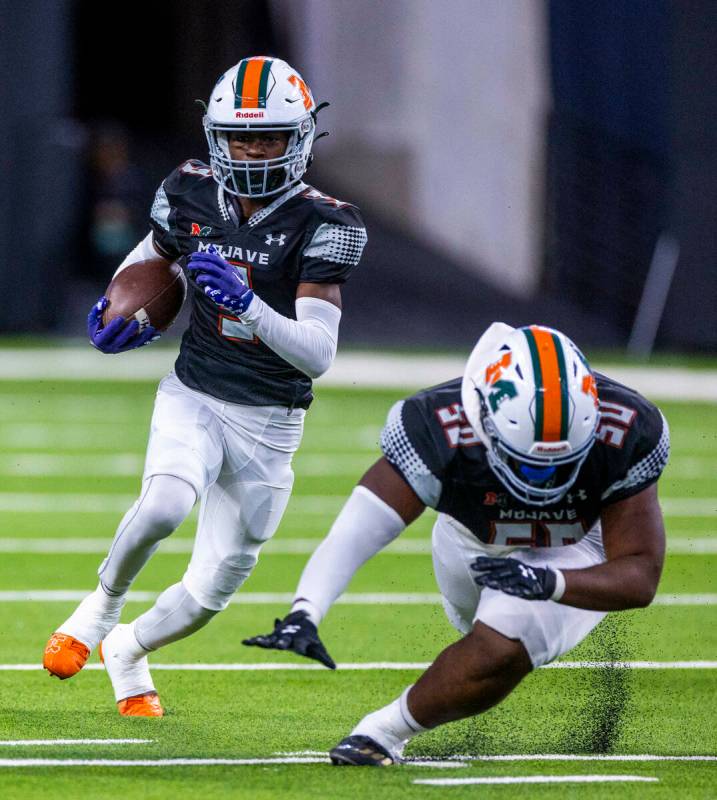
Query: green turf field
[{"x": 70, "y": 462}]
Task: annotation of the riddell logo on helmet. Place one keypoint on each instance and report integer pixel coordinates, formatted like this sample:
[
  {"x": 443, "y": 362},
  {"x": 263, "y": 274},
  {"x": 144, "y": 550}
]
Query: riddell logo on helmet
[
  {"x": 249, "y": 114},
  {"x": 552, "y": 449}
]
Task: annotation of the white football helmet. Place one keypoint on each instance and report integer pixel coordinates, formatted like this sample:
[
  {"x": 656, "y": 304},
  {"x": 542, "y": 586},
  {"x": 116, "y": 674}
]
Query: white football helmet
[
  {"x": 260, "y": 94},
  {"x": 531, "y": 397}
]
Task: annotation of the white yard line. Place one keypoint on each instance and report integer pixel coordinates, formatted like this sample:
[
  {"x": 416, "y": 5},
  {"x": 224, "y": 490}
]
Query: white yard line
[
  {"x": 370, "y": 666},
  {"x": 706, "y": 599},
  {"x": 53, "y": 464},
  {"x": 53, "y": 742},
  {"x": 364, "y": 369},
  {"x": 267, "y": 598},
  {"x": 185, "y": 545},
  {"x": 157, "y": 762},
  {"x": 43, "y": 502},
  {"x": 631, "y": 665},
  {"x": 539, "y": 757},
  {"x": 99, "y": 546},
  {"x": 536, "y": 779},
  {"x": 321, "y": 758},
  {"x": 689, "y": 506},
  {"x": 130, "y": 464},
  {"x": 579, "y": 757}
]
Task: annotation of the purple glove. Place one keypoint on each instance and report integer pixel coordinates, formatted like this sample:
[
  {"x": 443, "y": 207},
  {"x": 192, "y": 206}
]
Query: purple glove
[
  {"x": 117, "y": 337},
  {"x": 221, "y": 281}
]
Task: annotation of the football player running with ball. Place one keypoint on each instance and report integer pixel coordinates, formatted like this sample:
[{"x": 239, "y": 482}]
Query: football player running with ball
[
  {"x": 544, "y": 476},
  {"x": 266, "y": 255}
]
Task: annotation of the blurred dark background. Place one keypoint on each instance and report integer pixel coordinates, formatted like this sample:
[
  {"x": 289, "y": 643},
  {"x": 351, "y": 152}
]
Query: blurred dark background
[{"x": 98, "y": 105}]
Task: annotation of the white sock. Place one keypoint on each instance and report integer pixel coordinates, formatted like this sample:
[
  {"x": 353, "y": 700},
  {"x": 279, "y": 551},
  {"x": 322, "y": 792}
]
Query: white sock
[
  {"x": 94, "y": 618},
  {"x": 365, "y": 525},
  {"x": 312, "y": 611},
  {"x": 126, "y": 663},
  {"x": 391, "y": 726}
]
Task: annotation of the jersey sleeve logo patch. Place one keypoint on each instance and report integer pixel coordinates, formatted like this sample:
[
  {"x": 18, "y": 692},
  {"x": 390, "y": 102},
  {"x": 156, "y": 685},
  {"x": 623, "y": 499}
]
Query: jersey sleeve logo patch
[{"x": 199, "y": 230}]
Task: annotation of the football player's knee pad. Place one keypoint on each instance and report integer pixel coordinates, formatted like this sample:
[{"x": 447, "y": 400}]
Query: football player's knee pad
[
  {"x": 212, "y": 585},
  {"x": 164, "y": 504}
]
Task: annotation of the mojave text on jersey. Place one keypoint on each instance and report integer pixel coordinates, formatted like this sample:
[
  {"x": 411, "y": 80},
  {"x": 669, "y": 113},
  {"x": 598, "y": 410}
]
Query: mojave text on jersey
[{"x": 236, "y": 253}]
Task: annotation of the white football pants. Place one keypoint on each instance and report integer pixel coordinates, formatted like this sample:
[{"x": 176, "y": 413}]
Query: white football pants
[
  {"x": 237, "y": 461},
  {"x": 546, "y": 629}
]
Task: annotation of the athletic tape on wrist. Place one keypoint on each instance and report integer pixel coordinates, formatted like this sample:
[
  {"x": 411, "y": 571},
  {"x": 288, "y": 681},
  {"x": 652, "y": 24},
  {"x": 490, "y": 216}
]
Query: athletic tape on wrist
[{"x": 559, "y": 585}]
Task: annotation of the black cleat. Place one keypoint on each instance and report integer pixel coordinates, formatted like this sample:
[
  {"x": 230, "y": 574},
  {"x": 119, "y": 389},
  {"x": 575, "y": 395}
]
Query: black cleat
[{"x": 360, "y": 751}]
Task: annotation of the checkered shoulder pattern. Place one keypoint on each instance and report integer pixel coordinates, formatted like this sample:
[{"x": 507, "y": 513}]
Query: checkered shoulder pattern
[
  {"x": 340, "y": 244},
  {"x": 160, "y": 208},
  {"x": 398, "y": 449},
  {"x": 647, "y": 469}
]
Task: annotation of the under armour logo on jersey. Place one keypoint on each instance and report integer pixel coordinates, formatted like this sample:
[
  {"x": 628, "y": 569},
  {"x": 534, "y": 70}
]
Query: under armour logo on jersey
[{"x": 280, "y": 239}]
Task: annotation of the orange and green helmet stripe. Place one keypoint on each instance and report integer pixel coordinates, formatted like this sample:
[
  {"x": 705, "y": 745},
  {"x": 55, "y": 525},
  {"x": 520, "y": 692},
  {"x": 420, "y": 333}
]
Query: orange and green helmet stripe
[
  {"x": 252, "y": 82},
  {"x": 551, "y": 384}
]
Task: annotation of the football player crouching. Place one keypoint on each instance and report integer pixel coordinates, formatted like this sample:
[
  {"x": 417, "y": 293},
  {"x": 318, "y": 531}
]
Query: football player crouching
[
  {"x": 544, "y": 476},
  {"x": 266, "y": 255}
]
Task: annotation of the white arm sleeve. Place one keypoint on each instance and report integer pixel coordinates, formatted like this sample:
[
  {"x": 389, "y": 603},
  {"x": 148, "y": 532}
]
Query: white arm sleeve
[
  {"x": 307, "y": 342},
  {"x": 144, "y": 251},
  {"x": 365, "y": 525}
]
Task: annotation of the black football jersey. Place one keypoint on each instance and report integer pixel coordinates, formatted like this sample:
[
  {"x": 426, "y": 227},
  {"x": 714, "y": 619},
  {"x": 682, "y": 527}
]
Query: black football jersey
[
  {"x": 303, "y": 236},
  {"x": 429, "y": 441}
]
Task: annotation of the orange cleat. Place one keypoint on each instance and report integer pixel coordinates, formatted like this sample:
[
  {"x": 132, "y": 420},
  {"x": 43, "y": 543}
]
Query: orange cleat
[
  {"x": 64, "y": 655},
  {"x": 144, "y": 705}
]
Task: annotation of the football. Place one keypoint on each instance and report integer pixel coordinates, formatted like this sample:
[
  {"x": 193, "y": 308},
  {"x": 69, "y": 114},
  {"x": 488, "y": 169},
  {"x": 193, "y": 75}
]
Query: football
[{"x": 151, "y": 291}]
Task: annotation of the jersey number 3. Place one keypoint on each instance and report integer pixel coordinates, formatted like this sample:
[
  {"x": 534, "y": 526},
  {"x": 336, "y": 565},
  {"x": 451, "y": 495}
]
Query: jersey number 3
[{"x": 230, "y": 327}]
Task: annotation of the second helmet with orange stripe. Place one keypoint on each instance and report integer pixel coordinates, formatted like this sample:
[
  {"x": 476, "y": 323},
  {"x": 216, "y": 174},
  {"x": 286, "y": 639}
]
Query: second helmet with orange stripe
[
  {"x": 260, "y": 95},
  {"x": 531, "y": 397}
]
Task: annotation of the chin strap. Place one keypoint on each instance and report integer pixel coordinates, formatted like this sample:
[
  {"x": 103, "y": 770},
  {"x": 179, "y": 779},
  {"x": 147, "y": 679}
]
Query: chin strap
[
  {"x": 315, "y": 115},
  {"x": 320, "y": 107}
]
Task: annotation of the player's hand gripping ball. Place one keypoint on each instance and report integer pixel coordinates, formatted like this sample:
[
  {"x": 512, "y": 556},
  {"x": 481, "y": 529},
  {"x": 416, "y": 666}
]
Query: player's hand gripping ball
[
  {"x": 120, "y": 335},
  {"x": 141, "y": 301},
  {"x": 220, "y": 281}
]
